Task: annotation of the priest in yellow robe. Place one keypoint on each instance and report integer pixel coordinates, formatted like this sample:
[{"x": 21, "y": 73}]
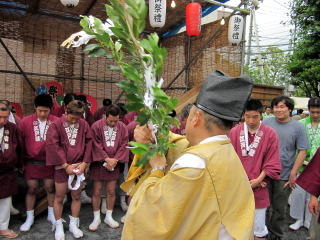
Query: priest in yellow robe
[{"x": 206, "y": 193}]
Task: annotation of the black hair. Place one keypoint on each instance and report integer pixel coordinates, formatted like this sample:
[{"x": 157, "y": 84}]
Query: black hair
[
  {"x": 173, "y": 113},
  {"x": 113, "y": 110},
  {"x": 299, "y": 111},
  {"x": 106, "y": 102},
  {"x": 314, "y": 102},
  {"x": 123, "y": 111},
  {"x": 287, "y": 101},
  {"x": 267, "y": 107},
  {"x": 68, "y": 98},
  {"x": 43, "y": 100},
  {"x": 81, "y": 98},
  {"x": 6, "y": 106},
  {"x": 185, "y": 111},
  {"x": 254, "y": 105}
]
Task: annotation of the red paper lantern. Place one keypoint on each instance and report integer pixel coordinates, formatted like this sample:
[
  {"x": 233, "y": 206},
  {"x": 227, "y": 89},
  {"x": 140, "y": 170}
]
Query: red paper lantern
[{"x": 193, "y": 18}]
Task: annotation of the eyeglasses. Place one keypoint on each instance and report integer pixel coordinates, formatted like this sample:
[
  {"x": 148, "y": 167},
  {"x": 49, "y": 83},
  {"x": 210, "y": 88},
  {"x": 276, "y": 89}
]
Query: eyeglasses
[{"x": 4, "y": 109}]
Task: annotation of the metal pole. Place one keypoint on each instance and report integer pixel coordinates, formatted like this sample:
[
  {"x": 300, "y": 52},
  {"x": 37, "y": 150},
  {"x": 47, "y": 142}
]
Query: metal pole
[
  {"x": 82, "y": 71},
  {"x": 188, "y": 59},
  {"x": 17, "y": 64}
]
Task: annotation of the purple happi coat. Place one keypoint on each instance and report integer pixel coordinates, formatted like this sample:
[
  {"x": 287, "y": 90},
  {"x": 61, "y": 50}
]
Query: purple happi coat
[
  {"x": 10, "y": 158},
  {"x": 108, "y": 146},
  {"x": 263, "y": 155}
]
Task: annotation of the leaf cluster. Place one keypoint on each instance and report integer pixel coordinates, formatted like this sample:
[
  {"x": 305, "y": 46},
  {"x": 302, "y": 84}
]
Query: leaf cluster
[
  {"x": 132, "y": 54},
  {"x": 304, "y": 62}
]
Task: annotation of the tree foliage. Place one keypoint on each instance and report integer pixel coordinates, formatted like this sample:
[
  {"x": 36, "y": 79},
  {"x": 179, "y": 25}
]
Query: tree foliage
[
  {"x": 305, "y": 61},
  {"x": 269, "y": 67}
]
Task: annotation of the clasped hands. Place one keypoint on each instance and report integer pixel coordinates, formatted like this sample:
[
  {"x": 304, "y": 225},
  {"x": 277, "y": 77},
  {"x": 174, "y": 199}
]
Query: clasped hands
[
  {"x": 110, "y": 163},
  {"x": 76, "y": 169}
]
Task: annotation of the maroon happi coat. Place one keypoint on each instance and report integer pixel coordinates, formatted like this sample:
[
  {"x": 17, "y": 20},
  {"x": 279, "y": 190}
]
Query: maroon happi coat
[
  {"x": 58, "y": 112},
  {"x": 131, "y": 126},
  {"x": 108, "y": 146},
  {"x": 309, "y": 179},
  {"x": 10, "y": 158},
  {"x": 89, "y": 117},
  {"x": 264, "y": 155},
  {"x": 35, "y": 148},
  {"x": 99, "y": 114},
  {"x": 60, "y": 150},
  {"x": 129, "y": 117}
]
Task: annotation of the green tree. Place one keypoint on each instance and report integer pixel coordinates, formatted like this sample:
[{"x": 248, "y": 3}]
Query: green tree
[
  {"x": 305, "y": 60},
  {"x": 269, "y": 67}
]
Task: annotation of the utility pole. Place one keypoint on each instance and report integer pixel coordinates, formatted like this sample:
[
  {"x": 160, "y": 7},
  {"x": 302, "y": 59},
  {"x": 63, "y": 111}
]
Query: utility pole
[
  {"x": 250, "y": 38},
  {"x": 243, "y": 41}
]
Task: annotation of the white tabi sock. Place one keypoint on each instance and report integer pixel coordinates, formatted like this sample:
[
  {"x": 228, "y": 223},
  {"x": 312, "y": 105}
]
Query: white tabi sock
[
  {"x": 110, "y": 221},
  {"x": 29, "y": 221},
  {"x": 59, "y": 233},
  {"x": 96, "y": 221},
  {"x": 74, "y": 227},
  {"x": 50, "y": 217}
]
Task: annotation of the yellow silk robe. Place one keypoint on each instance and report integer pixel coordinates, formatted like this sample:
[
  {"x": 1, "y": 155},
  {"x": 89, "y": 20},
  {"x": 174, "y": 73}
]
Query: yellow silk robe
[
  {"x": 136, "y": 175},
  {"x": 190, "y": 203}
]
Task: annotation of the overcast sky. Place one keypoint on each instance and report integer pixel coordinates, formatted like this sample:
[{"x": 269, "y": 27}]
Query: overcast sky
[{"x": 270, "y": 16}]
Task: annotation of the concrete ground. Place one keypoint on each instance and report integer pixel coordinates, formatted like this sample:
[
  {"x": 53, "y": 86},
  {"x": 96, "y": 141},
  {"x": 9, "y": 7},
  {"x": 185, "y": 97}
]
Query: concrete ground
[{"x": 41, "y": 230}]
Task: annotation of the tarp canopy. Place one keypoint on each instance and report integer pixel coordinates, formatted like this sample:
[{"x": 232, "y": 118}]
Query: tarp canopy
[{"x": 300, "y": 102}]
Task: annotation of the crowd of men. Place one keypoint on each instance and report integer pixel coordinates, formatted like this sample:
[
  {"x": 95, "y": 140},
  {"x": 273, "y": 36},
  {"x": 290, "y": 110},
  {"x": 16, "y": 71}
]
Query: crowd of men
[{"x": 226, "y": 178}]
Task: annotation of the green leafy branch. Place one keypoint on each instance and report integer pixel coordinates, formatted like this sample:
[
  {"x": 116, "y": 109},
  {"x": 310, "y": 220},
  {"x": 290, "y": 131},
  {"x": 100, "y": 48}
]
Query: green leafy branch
[{"x": 140, "y": 61}]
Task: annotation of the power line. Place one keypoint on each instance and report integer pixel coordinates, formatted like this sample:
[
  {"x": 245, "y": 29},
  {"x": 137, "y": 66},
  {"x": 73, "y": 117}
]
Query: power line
[
  {"x": 271, "y": 45},
  {"x": 286, "y": 7},
  {"x": 288, "y": 50}
]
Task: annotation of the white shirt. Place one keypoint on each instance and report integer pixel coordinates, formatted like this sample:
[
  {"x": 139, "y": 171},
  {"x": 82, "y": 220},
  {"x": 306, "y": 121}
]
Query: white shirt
[
  {"x": 189, "y": 160},
  {"x": 1, "y": 136},
  {"x": 42, "y": 127}
]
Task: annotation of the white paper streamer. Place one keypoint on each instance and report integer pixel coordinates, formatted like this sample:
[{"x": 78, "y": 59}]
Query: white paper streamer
[{"x": 80, "y": 178}]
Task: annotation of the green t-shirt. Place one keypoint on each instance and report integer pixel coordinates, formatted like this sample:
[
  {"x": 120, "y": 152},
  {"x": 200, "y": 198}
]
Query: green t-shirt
[
  {"x": 264, "y": 115},
  {"x": 313, "y": 135}
]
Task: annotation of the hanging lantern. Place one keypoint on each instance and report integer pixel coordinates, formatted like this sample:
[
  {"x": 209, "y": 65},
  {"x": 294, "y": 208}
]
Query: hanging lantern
[
  {"x": 235, "y": 29},
  {"x": 193, "y": 18},
  {"x": 157, "y": 13},
  {"x": 69, "y": 3}
]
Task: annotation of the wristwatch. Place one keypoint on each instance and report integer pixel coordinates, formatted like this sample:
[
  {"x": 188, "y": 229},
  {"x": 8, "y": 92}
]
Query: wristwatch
[{"x": 158, "y": 168}]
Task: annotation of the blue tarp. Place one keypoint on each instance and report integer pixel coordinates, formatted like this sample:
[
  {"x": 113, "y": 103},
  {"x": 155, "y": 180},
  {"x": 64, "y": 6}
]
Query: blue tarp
[{"x": 205, "y": 12}]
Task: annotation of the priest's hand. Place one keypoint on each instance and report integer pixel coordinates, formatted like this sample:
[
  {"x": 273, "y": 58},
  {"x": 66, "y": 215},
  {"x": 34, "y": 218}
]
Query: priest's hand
[
  {"x": 142, "y": 134},
  {"x": 314, "y": 205},
  {"x": 158, "y": 161}
]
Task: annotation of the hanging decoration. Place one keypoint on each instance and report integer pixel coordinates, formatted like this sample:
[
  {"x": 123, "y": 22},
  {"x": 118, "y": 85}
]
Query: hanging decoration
[
  {"x": 235, "y": 29},
  {"x": 193, "y": 18},
  {"x": 69, "y": 3},
  {"x": 157, "y": 13}
]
